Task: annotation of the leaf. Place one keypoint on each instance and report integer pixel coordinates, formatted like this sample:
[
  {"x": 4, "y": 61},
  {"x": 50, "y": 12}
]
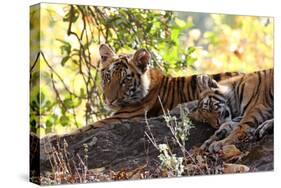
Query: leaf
[
  {"x": 64, "y": 120},
  {"x": 33, "y": 123},
  {"x": 71, "y": 102},
  {"x": 49, "y": 105},
  {"x": 190, "y": 50},
  {"x": 68, "y": 103},
  {"x": 82, "y": 92},
  {"x": 71, "y": 18},
  {"x": 182, "y": 25},
  {"x": 175, "y": 35},
  {"x": 38, "y": 98},
  {"x": 190, "y": 60},
  {"x": 49, "y": 123},
  {"x": 64, "y": 60},
  {"x": 42, "y": 97},
  {"x": 148, "y": 27},
  {"x": 180, "y": 22},
  {"x": 34, "y": 106},
  {"x": 66, "y": 47}
]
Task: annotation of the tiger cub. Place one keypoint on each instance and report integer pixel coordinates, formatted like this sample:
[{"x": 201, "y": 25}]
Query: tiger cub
[
  {"x": 237, "y": 107},
  {"x": 131, "y": 88}
]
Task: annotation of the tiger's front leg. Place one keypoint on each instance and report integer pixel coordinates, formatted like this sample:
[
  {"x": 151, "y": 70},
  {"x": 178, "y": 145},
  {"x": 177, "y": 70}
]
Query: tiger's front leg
[
  {"x": 224, "y": 130},
  {"x": 239, "y": 133},
  {"x": 246, "y": 127},
  {"x": 205, "y": 82},
  {"x": 264, "y": 128}
]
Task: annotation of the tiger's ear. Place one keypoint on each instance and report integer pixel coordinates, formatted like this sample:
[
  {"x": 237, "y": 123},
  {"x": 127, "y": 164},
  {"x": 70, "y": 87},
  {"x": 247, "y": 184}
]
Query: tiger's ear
[
  {"x": 142, "y": 59},
  {"x": 106, "y": 53}
]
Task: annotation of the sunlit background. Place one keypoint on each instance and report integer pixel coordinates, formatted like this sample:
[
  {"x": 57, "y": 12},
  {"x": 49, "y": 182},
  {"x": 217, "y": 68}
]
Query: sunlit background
[{"x": 65, "y": 84}]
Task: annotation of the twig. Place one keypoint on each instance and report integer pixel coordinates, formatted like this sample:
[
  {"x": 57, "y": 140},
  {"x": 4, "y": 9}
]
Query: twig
[
  {"x": 60, "y": 78},
  {"x": 57, "y": 93},
  {"x": 35, "y": 62}
]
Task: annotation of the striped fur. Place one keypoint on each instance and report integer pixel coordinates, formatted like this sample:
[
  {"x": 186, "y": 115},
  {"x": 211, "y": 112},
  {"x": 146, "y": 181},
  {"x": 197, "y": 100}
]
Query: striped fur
[
  {"x": 132, "y": 89},
  {"x": 247, "y": 98}
]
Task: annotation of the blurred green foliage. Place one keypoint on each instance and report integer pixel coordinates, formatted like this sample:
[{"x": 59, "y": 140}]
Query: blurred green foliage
[{"x": 64, "y": 80}]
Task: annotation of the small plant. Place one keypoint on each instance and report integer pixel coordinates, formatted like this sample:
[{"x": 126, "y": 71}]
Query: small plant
[
  {"x": 170, "y": 163},
  {"x": 66, "y": 167},
  {"x": 179, "y": 127}
]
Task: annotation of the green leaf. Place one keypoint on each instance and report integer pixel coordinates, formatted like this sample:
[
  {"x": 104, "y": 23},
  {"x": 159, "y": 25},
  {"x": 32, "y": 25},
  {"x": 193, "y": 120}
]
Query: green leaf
[
  {"x": 65, "y": 47},
  {"x": 42, "y": 97},
  {"x": 33, "y": 123},
  {"x": 38, "y": 98},
  {"x": 68, "y": 103},
  {"x": 191, "y": 60},
  {"x": 49, "y": 105},
  {"x": 82, "y": 92},
  {"x": 49, "y": 123},
  {"x": 180, "y": 22},
  {"x": 71, "y": 102},
  {"x": 34, "y": 106},
  {"x": 64, "y": 120},
  {"x": 175, "y": 35},
  {"x": 190, "y": 50},
  {"x": 64, "y": 60},
  {"x": 73, "y": 18}
]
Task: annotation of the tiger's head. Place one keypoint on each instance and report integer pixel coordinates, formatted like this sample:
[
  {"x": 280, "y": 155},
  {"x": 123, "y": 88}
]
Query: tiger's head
[
  {"x": 125, "y": 78},
  {"x": 212, "y": 106}
]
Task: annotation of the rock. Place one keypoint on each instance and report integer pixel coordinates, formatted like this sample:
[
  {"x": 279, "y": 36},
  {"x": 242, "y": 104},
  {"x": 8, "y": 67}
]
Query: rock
[
  {"x": 125, "y": 147},
  {"x": 113, "y": 147},
  {"x": 230, "y": 152},
  {"x": 235, "y": 168},
  {"x": 260, "y": 154}
]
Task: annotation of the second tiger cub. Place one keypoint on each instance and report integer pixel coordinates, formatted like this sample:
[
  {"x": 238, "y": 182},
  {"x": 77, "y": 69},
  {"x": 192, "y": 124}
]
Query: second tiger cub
[{"x": 236, "y": 107}]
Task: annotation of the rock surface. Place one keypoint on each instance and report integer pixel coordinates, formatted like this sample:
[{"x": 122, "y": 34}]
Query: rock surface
[{"x": 126, "y": 146}]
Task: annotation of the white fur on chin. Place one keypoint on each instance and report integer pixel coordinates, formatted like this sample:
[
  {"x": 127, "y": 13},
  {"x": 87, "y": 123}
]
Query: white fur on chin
[{"x": 145, "y": 81}]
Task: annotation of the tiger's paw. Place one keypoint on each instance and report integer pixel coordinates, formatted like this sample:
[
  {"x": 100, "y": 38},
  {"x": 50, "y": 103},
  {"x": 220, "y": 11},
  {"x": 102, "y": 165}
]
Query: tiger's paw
[
  {"x": 212, "y": 145},
  {"x": 206, "y": 82},
  {"x": 206, "y": 145},
  {"x": 216, "y": 146},
  {"x": 264, "y": 128}
]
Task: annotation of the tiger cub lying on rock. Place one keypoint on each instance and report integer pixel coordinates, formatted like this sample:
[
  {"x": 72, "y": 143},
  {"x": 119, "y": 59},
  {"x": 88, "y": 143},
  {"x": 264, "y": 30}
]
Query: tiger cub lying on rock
[
  {"x": 131, "y": 88},
  {"x": 237, "y": 107}
]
